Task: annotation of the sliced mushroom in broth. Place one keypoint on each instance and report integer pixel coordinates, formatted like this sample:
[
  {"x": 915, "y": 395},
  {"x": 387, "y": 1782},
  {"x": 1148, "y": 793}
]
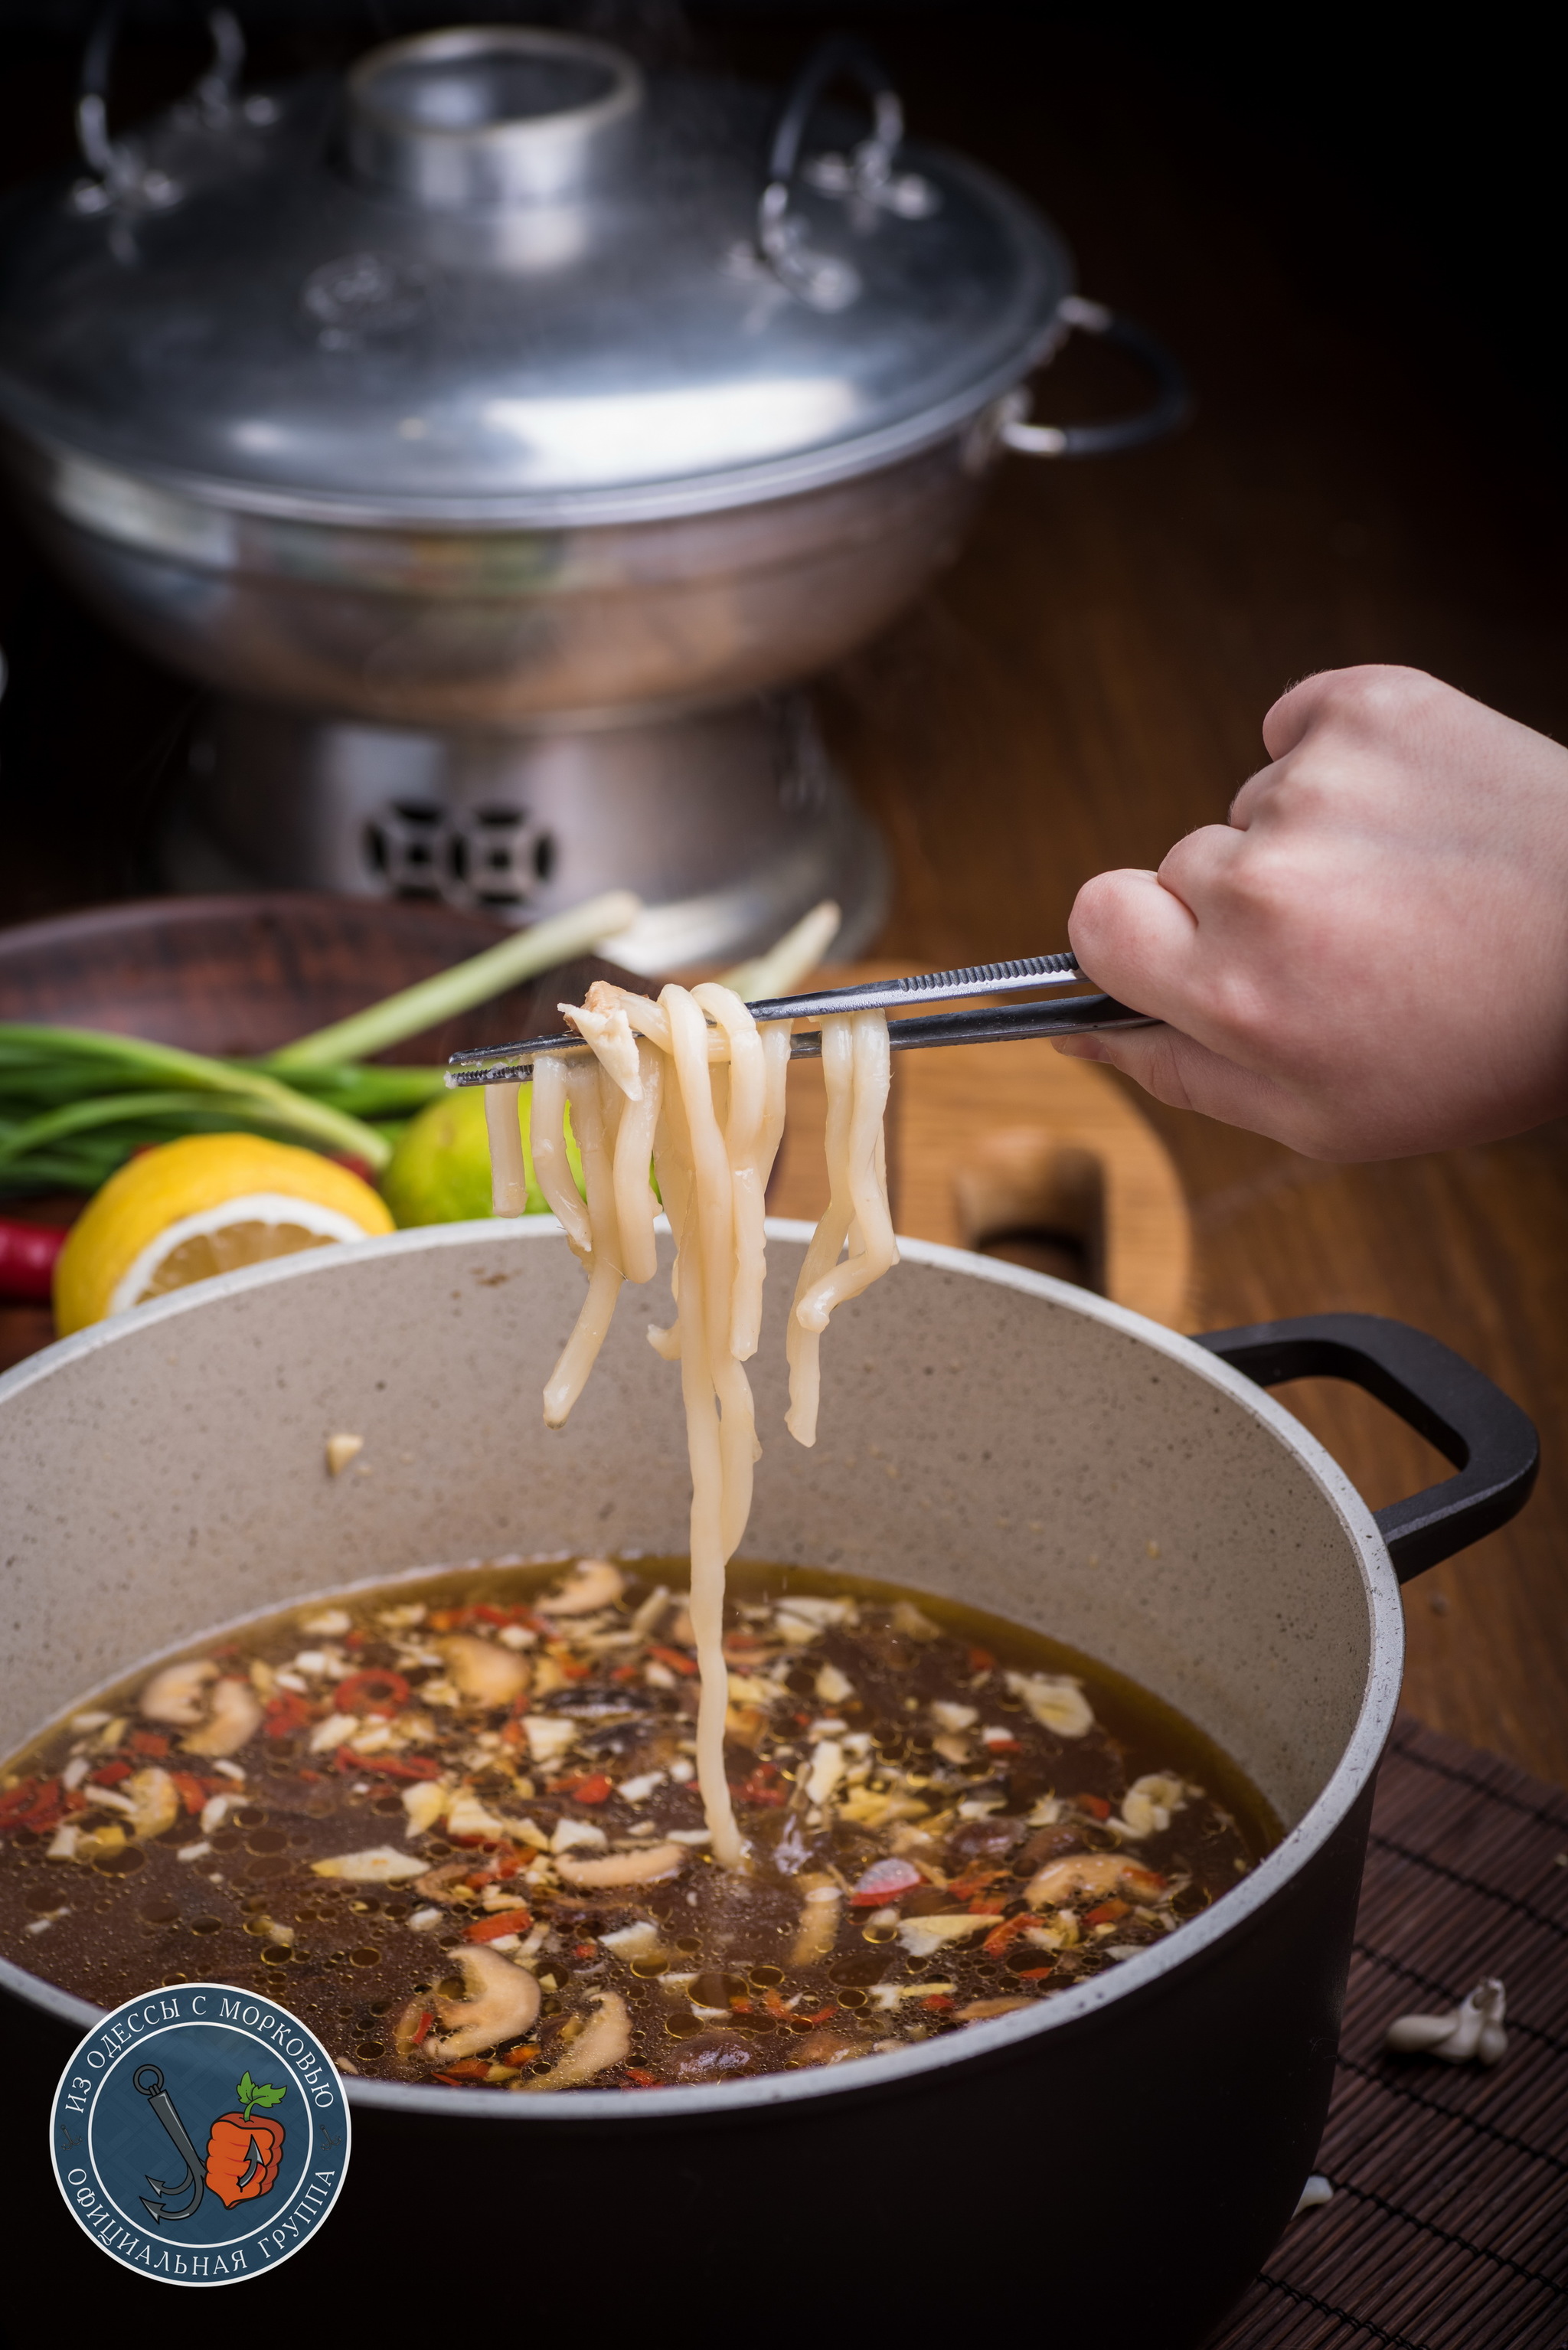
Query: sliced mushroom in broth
[{"x": 454, "y": 1822}]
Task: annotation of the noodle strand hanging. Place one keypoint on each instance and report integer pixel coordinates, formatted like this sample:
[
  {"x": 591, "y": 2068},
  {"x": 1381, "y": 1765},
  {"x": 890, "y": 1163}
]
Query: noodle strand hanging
[{"x": 692, "y": 1083}]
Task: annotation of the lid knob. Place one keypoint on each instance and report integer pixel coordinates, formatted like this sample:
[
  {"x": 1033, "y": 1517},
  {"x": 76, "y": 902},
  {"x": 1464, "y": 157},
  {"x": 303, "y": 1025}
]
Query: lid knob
[{"x": 488, "y": 116}]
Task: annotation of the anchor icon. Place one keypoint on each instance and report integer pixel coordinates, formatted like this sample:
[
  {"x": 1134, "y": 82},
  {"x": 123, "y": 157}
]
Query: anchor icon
[{"x": 148, "y": 2080}]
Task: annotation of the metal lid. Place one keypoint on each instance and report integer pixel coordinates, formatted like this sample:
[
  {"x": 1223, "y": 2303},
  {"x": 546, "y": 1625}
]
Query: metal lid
[{"x": 497, "y": 277}]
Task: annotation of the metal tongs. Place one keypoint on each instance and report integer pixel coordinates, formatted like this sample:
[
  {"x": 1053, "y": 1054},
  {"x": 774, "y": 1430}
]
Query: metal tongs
[{"x": 1075, "y": 1015}]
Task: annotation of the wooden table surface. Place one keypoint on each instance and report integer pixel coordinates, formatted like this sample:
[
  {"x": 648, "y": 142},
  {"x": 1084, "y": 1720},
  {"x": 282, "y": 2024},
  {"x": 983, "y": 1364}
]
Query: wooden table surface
[{"x": 1086, "y": 683}]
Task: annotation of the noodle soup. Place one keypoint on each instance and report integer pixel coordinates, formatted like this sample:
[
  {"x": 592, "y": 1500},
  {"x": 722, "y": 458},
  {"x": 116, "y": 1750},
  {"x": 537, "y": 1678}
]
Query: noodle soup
[{"x": 454, "y": 1822}]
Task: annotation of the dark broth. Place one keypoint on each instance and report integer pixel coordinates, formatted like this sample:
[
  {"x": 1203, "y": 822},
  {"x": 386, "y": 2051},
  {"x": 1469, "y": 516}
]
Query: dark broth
[{"x": 946, "y": 1815}]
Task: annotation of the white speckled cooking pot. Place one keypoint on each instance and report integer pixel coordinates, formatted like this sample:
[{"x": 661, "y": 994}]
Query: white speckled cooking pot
[{"x": 986, "y": 1432}]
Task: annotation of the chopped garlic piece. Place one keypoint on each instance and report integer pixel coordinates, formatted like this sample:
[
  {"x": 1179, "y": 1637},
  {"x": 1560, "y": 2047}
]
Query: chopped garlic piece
[
  {"x": 826, "y": 1769},
  {"x": 379, "y": 1863},
  {"x": 338, "y": 1729},
  {"x": 922, "y": 1937},
  {"x": 341, "y": 1451},
  {"x": 948, "y": 1716},
  {"x": 638, "y": 1790},
  {"x": 1148, "y": 1804},
  {"x": 424, "y": 1802},
  {"x": 887, "y": 1996},
  {"x": 574, "y": 1835},
  {"x": 198, "y": 1851},
  {"x": 548, "y": 1735},
  {"x": 1057, "y": 1702},
  {"x": 330, "y": 1625},
  {"x": 832, "y": 1686}
]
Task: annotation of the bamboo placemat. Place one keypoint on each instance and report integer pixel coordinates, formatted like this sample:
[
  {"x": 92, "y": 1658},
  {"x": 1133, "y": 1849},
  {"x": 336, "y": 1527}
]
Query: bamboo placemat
[{"x": 1448, "y": 2227}]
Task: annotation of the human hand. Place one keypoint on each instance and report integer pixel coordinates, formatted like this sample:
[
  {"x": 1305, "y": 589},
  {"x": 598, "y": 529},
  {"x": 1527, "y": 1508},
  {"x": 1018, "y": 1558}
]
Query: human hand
[{"x": 1371, "y": 958}]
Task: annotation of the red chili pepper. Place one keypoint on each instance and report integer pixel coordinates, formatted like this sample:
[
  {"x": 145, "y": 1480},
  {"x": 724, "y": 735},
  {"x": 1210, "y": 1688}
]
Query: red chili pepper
[
  {"x": 470, "y": 2068},
  {"x": 672, "y": 1658},
  {"x": 1034, "y": 1974},
  {"x": 573, "y": 1669},
  {"x": 981, "y": 1660},
  {"x": 191, "y": 1791},
  {"x": 285, "y": 1714},
  {"x": 387, "y": 1766},
  {"x": 421, "y": 2028},
  {"x": 41, "y": 1807},
  {"x": 594, "y": 1789},
  {"x": 626, "y": 1673},
  {"x": 355, "y": 1639},
  {"x": 938, "y": 2003},
  {"x": 973, "y": 1881},
  {"x": 641, "y": 2080},
  {"x": 148, "y": 1742},
  {"x": 27, "y": 1253},
  {"x": 1106, "y": 1913},
  {"x": 16, "y": 1800},
  {"x": 762, "y": 1786},
  {"x": 1096, "y": 1805},
  {"x": 109, "y": 1774},
  {"x": 482, "y": 1612},
  {"x": 444, "y": 1619},
  {"x": 998, "y": 1937},
  {"x": 523, "y": 2053},
  {"x": 581, "y": 1951},
  {"x": 1142, "y": 1881},
  {"x": 372, "y": 1691},
  {"x": 818, "y": 2015},
  {"x": 504, "y": 1921}
]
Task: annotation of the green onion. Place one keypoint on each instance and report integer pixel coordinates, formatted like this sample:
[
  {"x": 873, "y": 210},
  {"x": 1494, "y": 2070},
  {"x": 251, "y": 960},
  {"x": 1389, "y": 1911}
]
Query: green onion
[{"x": 448, "y": 992}]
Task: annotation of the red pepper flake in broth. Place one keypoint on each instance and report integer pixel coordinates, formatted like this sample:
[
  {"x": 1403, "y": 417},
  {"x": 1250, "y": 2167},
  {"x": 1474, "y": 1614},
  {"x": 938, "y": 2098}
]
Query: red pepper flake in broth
[
  {"x": 1034, "y": 1974},
  {"x": 981, "y": 1660},
  {"x": 1106, "y": 1913},
  {"x": 388, "y": 1766},
  {"x": 1096, "y": 1805},
  {"x": 110, "y": 1775},
  {"x": 763, "y": 1786},
  {"x": 1001, "y": 1937},
  {"x": 627, "y": 1673},
  {"x": 470, "y": 2068},
  {"x": 594, "y": 1789},
  {"x": 504, "y": 1921},
  {"x": 190, "y": 1790},
  {"x": 148, "y": 1742},
  {"x": 639, "y": 2079},
  {"x": 285, "y": 1714},
  {"x": 581, "y": 1951},
  {"x": 421, "y": 2028},
  {"x": 938, "y": 2003},
  {"x": 674, "y": 1657}
]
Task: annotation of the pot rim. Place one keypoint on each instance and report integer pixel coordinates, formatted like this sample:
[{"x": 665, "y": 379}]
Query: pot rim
[{"x": 1317, "y": 1825}]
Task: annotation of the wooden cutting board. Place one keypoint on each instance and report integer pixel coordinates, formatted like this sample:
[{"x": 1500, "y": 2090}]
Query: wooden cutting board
[{"x": 1013, "y": 1149}]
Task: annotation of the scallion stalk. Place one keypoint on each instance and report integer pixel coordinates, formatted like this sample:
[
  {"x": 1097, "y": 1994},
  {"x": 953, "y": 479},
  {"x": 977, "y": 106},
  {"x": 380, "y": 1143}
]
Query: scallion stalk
[{"x": 448, "y": 992}]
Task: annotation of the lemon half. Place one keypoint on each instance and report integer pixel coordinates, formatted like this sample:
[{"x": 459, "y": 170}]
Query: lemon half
[{"x": 205, "y": 1204}]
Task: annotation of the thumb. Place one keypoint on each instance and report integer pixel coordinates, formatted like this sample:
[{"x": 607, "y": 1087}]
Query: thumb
[{"x": 1187, "y": 1075}]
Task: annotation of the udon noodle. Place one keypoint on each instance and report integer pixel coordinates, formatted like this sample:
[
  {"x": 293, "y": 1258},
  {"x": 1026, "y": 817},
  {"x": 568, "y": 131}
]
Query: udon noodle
[{"x": 692, "y": 1083}]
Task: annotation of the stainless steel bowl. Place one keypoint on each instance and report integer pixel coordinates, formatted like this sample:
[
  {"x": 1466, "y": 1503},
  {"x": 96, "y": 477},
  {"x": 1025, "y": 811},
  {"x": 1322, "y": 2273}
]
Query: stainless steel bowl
[{"x": 498, "y": 390}]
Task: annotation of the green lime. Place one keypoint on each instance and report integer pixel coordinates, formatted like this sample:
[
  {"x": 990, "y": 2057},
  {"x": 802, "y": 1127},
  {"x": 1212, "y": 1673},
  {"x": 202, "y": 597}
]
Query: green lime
[{"x": 440, "y": 1170}]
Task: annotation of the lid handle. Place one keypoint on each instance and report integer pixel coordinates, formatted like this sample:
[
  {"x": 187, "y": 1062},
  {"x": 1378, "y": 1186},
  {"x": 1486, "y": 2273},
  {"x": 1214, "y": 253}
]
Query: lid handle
[
  {"x": 118, "y": 173},
  {"x": 865, "y": 175}
]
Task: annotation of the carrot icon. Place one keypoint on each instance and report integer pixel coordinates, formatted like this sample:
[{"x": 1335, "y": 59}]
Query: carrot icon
[{"x": 243, "y": 2153}]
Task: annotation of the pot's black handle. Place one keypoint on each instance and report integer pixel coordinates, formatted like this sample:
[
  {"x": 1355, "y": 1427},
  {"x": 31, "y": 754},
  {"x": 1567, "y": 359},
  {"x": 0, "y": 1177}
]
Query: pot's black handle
[
  {"x": 1492, "y": 1444},
  {"x": 1171, "y": 404}
]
